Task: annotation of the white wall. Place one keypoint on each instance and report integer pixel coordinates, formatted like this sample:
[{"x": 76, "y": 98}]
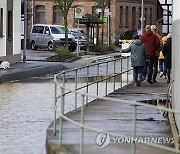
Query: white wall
[
  {"x": 3, "y": 4},
  {"x": 17, "y": 27},
  {"x": 176, "y": 58},
  {"x": 16, "y": 32}
]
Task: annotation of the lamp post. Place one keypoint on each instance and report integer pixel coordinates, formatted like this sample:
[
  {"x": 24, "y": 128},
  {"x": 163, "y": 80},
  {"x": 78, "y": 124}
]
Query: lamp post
[
  {"x": 142, "y": 16},
  {"x": 32, "y": 13},
  {"x": 25, "y": 30}
]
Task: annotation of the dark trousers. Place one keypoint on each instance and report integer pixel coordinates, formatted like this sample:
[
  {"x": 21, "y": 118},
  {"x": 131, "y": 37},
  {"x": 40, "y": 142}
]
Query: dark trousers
[
  {"x": 169, "y": 74},
  {"x": 144, "y": 74},
  {"x": 137, "y": 73},
  {"x": 155, "y": 69},
  {"x": 150, "y": 68}
]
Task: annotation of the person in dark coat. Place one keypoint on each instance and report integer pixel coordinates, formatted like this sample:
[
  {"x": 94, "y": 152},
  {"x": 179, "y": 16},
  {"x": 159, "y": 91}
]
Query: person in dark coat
[
  {"x": 138, "y": 58},
  {"x": 152, "y": 43},
  {"x": 167, "y": 52}
]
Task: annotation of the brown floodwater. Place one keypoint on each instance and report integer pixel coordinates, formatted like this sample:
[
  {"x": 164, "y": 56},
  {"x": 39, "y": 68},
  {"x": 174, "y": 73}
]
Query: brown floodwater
[{"x": 26, "y": 110}]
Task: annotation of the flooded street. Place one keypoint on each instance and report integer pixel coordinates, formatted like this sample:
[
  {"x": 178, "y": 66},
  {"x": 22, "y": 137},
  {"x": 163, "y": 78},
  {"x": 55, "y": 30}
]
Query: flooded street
[{"x": 26, "y": 111}]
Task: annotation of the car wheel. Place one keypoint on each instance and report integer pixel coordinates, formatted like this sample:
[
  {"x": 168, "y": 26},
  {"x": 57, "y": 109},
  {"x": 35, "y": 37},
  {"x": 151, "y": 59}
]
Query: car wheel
[
  {"x": 33, "y": 45},
  {"x": 50, "y": 46}
]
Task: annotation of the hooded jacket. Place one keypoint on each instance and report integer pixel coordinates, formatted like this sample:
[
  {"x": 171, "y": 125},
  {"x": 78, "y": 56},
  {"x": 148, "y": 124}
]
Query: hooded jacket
[
  {"x": 138, "y": 53},
  {"x": 167, "y": 51},
  {"x": 151, "y": 41}
]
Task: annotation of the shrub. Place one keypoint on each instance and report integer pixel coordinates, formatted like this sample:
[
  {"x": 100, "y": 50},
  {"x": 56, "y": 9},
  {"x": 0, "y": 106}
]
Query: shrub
[{"x": 63, "y": 53}]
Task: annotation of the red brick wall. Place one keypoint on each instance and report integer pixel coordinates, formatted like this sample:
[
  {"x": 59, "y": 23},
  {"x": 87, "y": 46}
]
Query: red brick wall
[{"x": 115, "y": 9}]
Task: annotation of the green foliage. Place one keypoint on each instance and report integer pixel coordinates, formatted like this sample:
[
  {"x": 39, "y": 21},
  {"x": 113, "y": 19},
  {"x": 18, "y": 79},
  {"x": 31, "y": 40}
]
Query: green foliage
[
  {"x": 90, "y": 18},
  {"x": 102, "y": 3},
  {"x": 63, "y": 53},
  {"x": 64, "y": 6}
]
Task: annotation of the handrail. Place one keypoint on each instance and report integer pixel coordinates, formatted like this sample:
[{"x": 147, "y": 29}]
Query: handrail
[{"x": 85, "y": 97}]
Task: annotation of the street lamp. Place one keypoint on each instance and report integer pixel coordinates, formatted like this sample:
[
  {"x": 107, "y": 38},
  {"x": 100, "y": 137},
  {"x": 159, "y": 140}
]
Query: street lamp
[
  {"x": 142, "y": 16},
  {"x": 25, "y": 30}
]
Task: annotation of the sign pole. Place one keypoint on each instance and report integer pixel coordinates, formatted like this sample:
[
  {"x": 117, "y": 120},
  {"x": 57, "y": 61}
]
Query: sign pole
[{"x": 78, "y": 40}]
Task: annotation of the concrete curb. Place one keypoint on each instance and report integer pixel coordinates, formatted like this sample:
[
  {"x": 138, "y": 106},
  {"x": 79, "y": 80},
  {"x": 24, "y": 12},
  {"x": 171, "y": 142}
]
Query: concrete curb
[{"x": 23, "y": 71}]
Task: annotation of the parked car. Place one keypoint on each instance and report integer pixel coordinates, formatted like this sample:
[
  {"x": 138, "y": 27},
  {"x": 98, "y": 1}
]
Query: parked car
[
  {"x": 49, "y": 36},
  {"x": 127, "y": 37},
  {"x": 82, "y": 38}
]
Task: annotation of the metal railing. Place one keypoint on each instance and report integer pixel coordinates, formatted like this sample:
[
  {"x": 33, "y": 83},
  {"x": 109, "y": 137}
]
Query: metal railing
[{"x": 60, "y": 80}]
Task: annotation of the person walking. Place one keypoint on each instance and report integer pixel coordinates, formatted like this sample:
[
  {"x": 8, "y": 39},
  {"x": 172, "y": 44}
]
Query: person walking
[
  {"x": 155, "y": 67},
  {"x": 162, "y": 65},
  {"x": 152, "y": 44},
  {"x": 138, "y": 58},
  {"x": 167, "y": 52}
]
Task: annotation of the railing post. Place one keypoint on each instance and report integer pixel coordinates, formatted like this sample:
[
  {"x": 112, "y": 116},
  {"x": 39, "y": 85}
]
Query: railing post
[
  {"x": 55, "y": 106},
  {"x": 114, "y": 87},
  {"x": 62, "y": 110},
  {"x": 82, "y": 128},
  {"x": 134, "y": 129},
  {"x": 97, "y": 79},
  {"x": 106, "y": 79},
  {"x": 87, "y": 90},
  {"x": 127, "y": 59},
  {"x": 121, "y": 71},
  {"x": 76, "y": 90}
]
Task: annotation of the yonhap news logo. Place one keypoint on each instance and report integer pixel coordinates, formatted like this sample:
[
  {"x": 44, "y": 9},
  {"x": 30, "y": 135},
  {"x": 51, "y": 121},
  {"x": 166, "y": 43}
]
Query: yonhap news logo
[{"x": 104, "y": 139}]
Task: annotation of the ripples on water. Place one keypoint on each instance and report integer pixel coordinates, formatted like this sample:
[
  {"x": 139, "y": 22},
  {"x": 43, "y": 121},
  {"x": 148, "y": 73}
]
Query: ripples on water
[{"x": 26, "y": 111}]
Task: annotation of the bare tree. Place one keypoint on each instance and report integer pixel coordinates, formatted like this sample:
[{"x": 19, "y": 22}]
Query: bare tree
[
  {"x": 102, "y": 4},
  {"x": 64, "y": 6}
]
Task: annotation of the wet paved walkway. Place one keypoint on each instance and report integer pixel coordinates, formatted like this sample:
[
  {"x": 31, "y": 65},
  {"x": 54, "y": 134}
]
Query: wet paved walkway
[{"x": 117, "y": 118}]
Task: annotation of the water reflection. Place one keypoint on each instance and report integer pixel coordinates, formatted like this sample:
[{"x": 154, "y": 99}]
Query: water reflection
[{"x": 160, "y": 102}]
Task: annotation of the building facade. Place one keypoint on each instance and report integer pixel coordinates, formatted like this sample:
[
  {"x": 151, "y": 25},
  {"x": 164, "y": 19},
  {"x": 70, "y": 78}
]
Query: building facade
[
  {"x": 10, "y": 30},
  {"x": 175, "y": 60},
  {"x": 167, "y": 15},
  {"x": 125, "y": 14}
]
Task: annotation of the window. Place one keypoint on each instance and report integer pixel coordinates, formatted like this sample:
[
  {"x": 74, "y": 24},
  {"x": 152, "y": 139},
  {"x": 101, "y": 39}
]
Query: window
[
  {"x": 134, "y": 21},
  {"x": 57, "y": 16},
  {"x": 145, "y": 16},
  {"x": 121, "y": 16},
  {"x": 1, "y": 22},
  {"x": 127, "y": 17},
  {"x": 10, "y": 25},
  {"x": 57, "y": 30},
  {"x": 40, "y": 14},
  {"x": 139, "y": 23},
  {"x": 150, "y": 15},
  {"x": 38, "y": 29}
]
